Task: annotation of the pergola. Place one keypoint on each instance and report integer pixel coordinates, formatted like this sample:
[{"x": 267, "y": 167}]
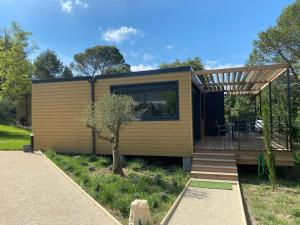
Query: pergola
[
  {"x": 249, "y": 80},
  {"x": 240, "y": 80}
]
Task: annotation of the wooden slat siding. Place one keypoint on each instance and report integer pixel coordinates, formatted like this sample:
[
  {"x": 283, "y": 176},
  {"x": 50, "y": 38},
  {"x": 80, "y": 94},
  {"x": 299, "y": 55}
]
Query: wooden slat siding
[
  {"x": 156, "y": 138},
  {"x": 56, "y": 116}
]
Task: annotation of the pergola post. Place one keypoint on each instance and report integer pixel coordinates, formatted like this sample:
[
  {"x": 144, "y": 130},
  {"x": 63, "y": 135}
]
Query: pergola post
[
  {"x": 260, "y": 110},
  {"x": 289, "y": 106},
  {"x": 270, "y": 108},
  {"x": 255, "y": 107}
]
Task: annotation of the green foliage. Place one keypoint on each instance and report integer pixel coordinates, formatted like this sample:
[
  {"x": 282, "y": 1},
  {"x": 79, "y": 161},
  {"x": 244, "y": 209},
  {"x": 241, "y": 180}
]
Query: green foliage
[
  {"x": 268, "y": 152},
  {"x": 268, "y": 207},
  {"x": 67, "y": 73},
  {"x": 123, "y": 68},
  {"x": 110, "y": 113},
  {"x": 159, "y": 185},
  {"x": 15, "y": 67},
  {"x": 277, "y": 44},
  {"x": 195, "y": 63},
  {"x": 47, "y": 65},
  {"x": 280, "y": 43},
  {"x": 7, "y": 112},
  {"x": 239, "y": 107},
  {"x": 95, "y": 61},
  {"x": 13, "y": 138}
]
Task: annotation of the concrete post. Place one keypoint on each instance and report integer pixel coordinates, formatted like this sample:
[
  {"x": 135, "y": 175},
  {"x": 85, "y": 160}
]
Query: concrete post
[{"x": 187, "y": 163}]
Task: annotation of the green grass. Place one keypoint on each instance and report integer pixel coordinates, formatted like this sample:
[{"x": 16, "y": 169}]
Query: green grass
[
  {"x": 157, "y": 184},
  {"x": 13, "y": 138},
  {"x": 211, "y": 185},
  {"x": 267, "y": 207}
]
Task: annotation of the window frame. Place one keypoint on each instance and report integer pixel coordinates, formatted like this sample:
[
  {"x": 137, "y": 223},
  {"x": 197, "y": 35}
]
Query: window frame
[{"x": 144, "y": 87}]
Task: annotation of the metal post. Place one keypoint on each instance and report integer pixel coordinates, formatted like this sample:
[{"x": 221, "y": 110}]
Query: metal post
[
  {"x": 270, "y": 109},
  {"x": 289, "y": 106},
  {"x": 260, "y": 110},
  {"x": 32, "y": 142},
  {"x": 255, "y": 109}
]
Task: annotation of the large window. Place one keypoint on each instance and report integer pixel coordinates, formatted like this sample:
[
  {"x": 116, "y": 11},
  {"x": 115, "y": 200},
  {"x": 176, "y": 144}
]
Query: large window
[{"x": 156, "y": 101}]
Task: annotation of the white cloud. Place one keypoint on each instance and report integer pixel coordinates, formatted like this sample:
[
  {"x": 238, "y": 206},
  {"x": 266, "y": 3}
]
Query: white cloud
[
  {"x": 147, "y": 56},
  {"x": 133, "y": 54},
  {"x": 215, "y": 64},
  {"x": 66, "y": 6},
  {"x": 142, "y": 67},
  {"x": 169, "y": 47},
  {"x": 121, "y": 34},
  {"x": 81, "y": 3}
]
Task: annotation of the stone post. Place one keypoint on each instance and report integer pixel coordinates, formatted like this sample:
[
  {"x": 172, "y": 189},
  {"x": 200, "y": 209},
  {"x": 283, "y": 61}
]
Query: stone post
[{"x": 140, "y": 213}]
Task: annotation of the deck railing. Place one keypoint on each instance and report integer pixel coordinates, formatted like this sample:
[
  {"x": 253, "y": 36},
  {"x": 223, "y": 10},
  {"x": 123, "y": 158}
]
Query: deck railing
[{"x": 244, "y": 133}]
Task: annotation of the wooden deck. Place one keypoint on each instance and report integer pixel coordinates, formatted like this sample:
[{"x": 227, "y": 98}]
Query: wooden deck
[
  {"x": 246, "y": 149},
  {"x": 246, "y": 142}
]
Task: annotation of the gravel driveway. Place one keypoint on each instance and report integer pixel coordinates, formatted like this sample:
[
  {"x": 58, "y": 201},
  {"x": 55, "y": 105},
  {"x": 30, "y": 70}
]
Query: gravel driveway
[{"x": 34, "y": 192}]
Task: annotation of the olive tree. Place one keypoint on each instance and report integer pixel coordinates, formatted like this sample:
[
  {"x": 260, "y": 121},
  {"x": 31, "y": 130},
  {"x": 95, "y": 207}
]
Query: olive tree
[{"x": 106, "y": 117}]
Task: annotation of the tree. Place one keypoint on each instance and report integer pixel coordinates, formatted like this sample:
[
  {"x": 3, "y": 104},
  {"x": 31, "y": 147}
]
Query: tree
[
  {"x": 277, "y": 44},
  {"x": 195, "y": 63},
  {"x": 47, "y": 65},
  {"x": 95, "y": 61},
  {"x": 123, "y": 68},
  {"x": 67, "y": 73},
  {"x": 110, "y": 114},
  {"x": 15, "y": 67},
  {"x": 280, "y": 43}
]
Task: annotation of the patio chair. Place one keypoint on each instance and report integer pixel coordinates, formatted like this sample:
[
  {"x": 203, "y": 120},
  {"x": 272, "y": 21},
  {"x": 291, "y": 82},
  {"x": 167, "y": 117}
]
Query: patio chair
[
  {"x": 221, "y": 128},
  {"x": 259, "y": 125}
]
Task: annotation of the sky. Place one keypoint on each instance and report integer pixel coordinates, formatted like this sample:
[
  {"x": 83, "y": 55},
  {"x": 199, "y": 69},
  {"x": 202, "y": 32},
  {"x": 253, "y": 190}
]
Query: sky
[{"x": 147, "y": 32}]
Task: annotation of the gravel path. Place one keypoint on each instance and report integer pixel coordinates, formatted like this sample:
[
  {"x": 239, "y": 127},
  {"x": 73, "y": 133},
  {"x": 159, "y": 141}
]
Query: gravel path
[
  {"x": 34, "y": 192},
  {"x": 201, "y": 206}
]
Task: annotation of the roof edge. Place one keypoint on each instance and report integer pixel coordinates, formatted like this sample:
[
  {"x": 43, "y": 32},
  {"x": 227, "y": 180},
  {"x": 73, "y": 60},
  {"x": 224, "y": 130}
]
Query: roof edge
[{"x": 117, "y": 75}]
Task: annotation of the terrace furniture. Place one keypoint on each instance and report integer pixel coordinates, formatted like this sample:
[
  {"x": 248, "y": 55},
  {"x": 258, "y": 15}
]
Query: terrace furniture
[
  {"x": 221, "y": 128},
  {"x": 259, "y": 125}
]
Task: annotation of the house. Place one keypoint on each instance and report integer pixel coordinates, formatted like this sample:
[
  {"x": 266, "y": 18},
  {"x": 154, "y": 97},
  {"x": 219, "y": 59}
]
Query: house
[{"x": 182, "y": 107}]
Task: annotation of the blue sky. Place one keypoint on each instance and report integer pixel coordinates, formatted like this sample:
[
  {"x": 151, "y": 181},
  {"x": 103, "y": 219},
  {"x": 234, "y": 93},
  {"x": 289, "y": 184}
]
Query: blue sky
[{"x": 147, "y": 32}]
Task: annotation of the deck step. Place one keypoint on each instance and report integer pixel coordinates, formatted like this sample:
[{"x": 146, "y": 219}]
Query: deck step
[
  {"x": 214, "y": 161},
  {"x": 215, "y": 168},
  {"x": 215, "y": 155},
  {"x": 214, "y": 175}
]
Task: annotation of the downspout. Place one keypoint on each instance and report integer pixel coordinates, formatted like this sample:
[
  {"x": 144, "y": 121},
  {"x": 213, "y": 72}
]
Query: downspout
[{"x": 92, "y": 82}]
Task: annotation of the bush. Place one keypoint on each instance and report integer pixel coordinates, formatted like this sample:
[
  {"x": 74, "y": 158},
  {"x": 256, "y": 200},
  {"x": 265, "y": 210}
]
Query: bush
[{"x": 7, "y": 112}]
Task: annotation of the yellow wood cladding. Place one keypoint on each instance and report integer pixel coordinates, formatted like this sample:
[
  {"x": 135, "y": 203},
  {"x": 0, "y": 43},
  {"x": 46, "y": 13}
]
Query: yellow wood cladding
[
  {"x": 158, "y": 138},
  {"x": 57, "y": 110},
  {"x": 56, "y": 116}
]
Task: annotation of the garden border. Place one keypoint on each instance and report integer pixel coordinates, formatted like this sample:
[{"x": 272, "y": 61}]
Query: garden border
[
  {"x": 83, "y": 191},
  {"x": 175, "y": 204}
]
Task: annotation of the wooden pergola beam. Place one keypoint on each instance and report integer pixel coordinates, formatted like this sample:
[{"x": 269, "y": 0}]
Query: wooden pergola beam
[
  {"x": 244, "y": 69},
  {"x": 249, "y": 80}
]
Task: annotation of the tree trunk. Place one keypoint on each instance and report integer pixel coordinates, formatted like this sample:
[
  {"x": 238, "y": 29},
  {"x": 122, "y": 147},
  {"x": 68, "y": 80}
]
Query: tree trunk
[{"x": 117, "y": 164}]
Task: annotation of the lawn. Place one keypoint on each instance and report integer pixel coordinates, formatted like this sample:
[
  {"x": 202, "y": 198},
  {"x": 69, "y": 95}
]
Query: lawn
[
  {"x": 13, "y": 138},
  {"x": 158, "y": 184},
  {"x": 267, "y": 207}
]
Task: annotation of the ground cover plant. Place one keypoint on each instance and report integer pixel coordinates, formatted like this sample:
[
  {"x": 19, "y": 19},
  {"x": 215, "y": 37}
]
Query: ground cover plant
[
  {"x": 266, "y": 206},
  {"x": 158, "y": 184},
  {"x": 13, "y": 138}
]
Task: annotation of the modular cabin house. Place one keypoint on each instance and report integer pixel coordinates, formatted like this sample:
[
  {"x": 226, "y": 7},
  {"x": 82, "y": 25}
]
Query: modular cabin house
[{"x": 183, "y": 115}]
